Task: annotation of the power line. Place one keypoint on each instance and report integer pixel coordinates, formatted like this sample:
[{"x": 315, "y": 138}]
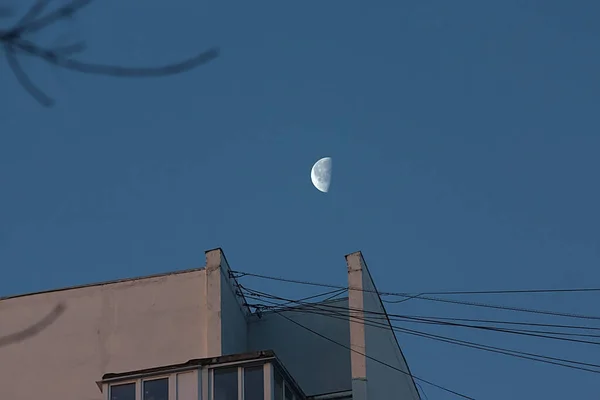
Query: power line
[
  {"x": 442, "y": 321},
  {"x": 509, "y": 308},
  {"x": 493, "y": 349},
  {"x": 373, "y": 359},
  {"x": 422, "y": 390},
  {"x": 425, "y": 320},
  {"x": 531, "y": 333},
  {"x": 425, "y": 296},
  {"x": 435, "y": 293},
  {"x": 504, "y": 322},
  {"x": 488, "y": 321}
]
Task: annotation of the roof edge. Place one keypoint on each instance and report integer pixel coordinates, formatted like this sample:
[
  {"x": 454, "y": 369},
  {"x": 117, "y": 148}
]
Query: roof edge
[
  {"x": 110, "y": 282},
  {"x": 196, "y": 362}
]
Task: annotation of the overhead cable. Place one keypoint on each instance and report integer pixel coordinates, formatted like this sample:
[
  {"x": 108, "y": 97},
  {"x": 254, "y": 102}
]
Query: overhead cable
[
  {"x": 373, "y": 358},
  {"x": 426, "y": 296},
  {"x": 515, "y": 353}
]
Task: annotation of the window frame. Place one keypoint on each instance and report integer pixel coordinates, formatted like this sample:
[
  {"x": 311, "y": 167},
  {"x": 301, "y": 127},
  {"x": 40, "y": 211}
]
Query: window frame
[
  {"x": 168, "y": 377},
  {"x": 240, "y": 377},
  {"x": 125, "y": 382},
  {"x": 285, "y": 384},
  {"x": 211, "y": 374},
  {"x": 278, "y": 374}
]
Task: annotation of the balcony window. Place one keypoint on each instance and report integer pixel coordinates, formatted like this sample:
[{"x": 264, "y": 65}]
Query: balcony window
[
  {"x": 124, "y": 391},
  {"x": 289, "y": 395},
  {"x": 282, "y": 390},
  {"x": 254, "y": 386},
  {"x": 278, "y": 387},
  {"x": 156, "y": 389},
  {"x": 248, "y": 382},
  {"x": 226, "y": 384}
]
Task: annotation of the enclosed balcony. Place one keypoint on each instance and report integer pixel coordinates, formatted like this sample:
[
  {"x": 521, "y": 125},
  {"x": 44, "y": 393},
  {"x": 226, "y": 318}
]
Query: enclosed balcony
[{"x": 250, "y": 376}]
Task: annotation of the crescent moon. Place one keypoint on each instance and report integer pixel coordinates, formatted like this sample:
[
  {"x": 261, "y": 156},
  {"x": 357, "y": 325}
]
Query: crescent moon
[{"x": 320, "y": 174}]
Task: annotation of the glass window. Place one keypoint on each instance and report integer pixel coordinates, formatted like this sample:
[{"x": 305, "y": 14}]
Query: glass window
[
  {"x": 226, "y": 384},
  {"x": 254, "y": 388},
  {"x": 156, "y": 389},
  {"x": 123, "y": 392},
  {"x": 278, "y": 386},
  {"x": 289, "y": 395}
]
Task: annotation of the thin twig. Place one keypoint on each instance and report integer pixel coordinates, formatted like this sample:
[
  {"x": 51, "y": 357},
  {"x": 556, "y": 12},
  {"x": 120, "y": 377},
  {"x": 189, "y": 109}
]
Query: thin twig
[
  {"x": 15, "y": 43},
  {"x": 24, "y": 80},
  {"x": 33, "y": 12}
]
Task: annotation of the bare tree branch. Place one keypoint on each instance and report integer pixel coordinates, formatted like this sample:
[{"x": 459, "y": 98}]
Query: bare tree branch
[
  {"x": 69, "y": 49},
  {"x": 31, "y": 25},
  {"x": 33, "y": 12},
  {"x": 51, "y": 57},
  {"x": 14, "y": 42},
  {"x": 24, "y": 80},
  {"x": 35, "y": 328}
]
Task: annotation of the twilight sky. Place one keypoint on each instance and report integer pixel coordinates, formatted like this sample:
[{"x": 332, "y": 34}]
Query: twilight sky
[{"x": 464, "y": 135}]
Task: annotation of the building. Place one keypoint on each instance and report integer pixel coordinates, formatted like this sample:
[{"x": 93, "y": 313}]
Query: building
[{"x": 190, "y": 335}]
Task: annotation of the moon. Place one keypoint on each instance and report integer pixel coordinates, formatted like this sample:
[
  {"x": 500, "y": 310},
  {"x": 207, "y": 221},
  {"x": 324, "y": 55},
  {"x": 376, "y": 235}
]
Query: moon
[{"x": 320, "y": 174}]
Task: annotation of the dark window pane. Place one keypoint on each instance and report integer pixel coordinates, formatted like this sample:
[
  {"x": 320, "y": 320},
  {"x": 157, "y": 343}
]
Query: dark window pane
[
  {"x": 156, "y": 389},
  {"x": 288, "y": 393},
  {"x": 123, "y": 392},
  {"x": 226, "y": 384},
  {"x": 254, "y": 388},
  {"x": 278, "y": 387}
]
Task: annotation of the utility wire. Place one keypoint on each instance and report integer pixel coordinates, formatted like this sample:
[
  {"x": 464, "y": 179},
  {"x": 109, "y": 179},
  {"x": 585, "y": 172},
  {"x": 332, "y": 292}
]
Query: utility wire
[
  {"x": 433, "y": 321},
  {"x": 425, "y": 320},
  {"x": 505, "y": 322},
  {"x": 444, "y": 321},
  {"x": 332, "y": 294},
  {"x": 373, "y": 359},
  {"x": 426, "y": 296},
  {"x": 510, "y": 308},
  {"x": 241, "y": 274},
  {"x": 422, "y": 390},
  {"x": 493, "y": 349},
  {"x": 531, "y": 333}
]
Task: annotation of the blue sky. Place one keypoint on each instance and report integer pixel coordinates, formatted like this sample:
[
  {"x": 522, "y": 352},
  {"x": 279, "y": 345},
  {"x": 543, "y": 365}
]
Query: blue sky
[{"x": 464, "y": 137}]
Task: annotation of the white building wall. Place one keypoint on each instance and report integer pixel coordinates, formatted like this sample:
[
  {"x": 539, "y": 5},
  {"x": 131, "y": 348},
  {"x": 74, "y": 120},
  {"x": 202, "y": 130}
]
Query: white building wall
[
  {"x": 318, "y": 365},
  {"x": 168, "y": 319},
  {"x": 372, "y": 379},
  {"x": 120, "y": 326},
  {"x": 225, "y": 316}
]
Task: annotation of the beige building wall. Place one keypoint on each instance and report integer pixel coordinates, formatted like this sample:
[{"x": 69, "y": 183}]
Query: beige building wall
[
  {"x": 168, "y": 319},
  {"x": 112, "y": 327}
]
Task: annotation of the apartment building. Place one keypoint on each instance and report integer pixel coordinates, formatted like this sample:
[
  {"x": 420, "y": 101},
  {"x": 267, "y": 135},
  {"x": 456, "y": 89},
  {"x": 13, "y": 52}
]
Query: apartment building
[{"x": 190, "y": 335}]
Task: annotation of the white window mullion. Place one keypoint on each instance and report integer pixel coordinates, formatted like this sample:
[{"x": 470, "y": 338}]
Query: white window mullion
[
  {"x": 240, "y": 383},
  {"x": 211, "y": 387},
  {"x": 172, "y": 386},
  {"x": 268, "y": 381},
  {"x": 139, "y": 389}
]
